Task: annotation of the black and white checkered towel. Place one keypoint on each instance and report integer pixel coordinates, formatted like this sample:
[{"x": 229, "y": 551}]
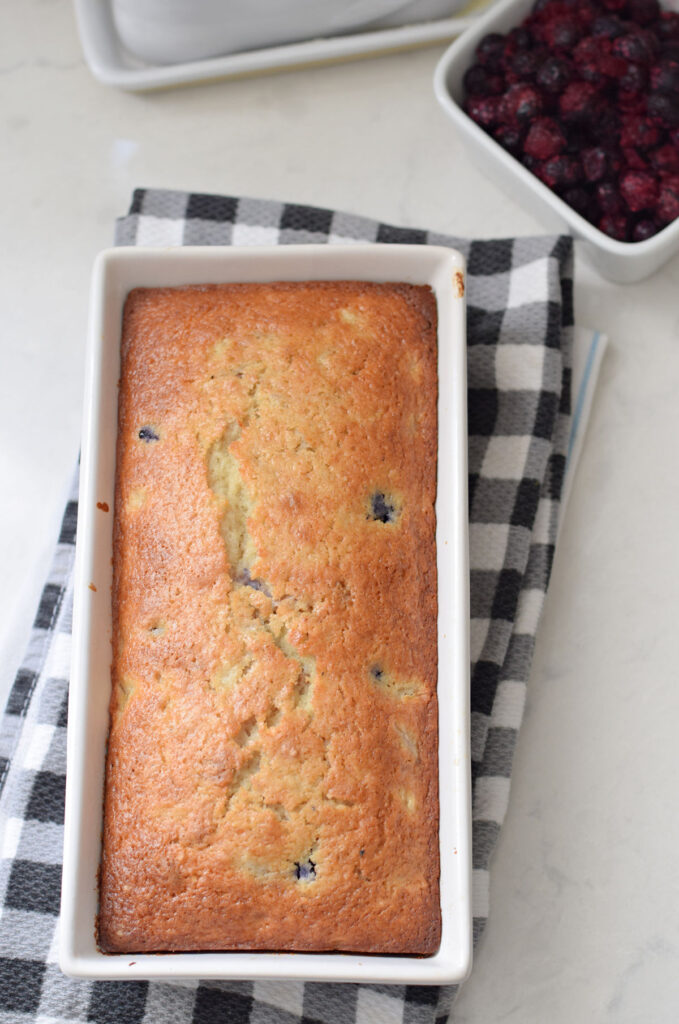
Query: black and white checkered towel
[{"x": 519, "y": 336}]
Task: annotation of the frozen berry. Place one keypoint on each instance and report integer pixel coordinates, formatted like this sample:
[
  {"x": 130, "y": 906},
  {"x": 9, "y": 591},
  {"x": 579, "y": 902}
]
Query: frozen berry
[
  {"x": 639, "y": 132},
  {"x": 525, "y": 63},
  {"x": 578, "y": 102},
  {"x": 483, "y": 109},
  {"x": 520, "y": 38},
  {"x": 490, "y": 50},
  {"x": 475, "y": 81},
  {"x": 581, "y": 201},
  {"x": 561, "y": 171},
  {"x": 643, "y": 12},
  {"x": 609, "y": 26},
  {"x": 631, "y": 102},
  {"x": 520, "y": 104},
  {"x": 644, "y": 229},
  {"x": 479, "y": 81},
  {"x": 665, "y": 77},
  {"x": 665, "y": 108},
  {"x": 554, "y": 74},
  {"x": 560, "y": 33},
  {"x": 595, "y": 163},
  {"x": 634, "y": 46},
  {"x": 612, "y": 66},
  {"x": 639, "y": 189},
  {"x": 608, "y": 198},
  {"x": 665, "y": 158},
  {"x": 634, "y": 159},
  {"x": 614, "y": 225},
  {"x": 667, "y": 26},
  {"x": 590, "y": 49},
  {"x": 605, "y": 127},
  {"x": 667, "y": 208},
  {"x": 510, "y": 138},
  {"x": 634, "y": 79},
  {"x": 545, "y": 139}
]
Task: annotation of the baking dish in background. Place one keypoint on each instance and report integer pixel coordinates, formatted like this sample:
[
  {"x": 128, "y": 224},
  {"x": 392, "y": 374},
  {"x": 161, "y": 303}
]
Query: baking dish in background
[{"x": 116, "y": 272}]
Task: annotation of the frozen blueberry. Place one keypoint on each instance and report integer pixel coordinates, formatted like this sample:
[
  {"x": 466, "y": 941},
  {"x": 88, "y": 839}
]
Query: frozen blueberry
[
  {"x": 148, "y": 434},
  {"x": 382, "y": 509},
  {"x": 305, "y": 871}
]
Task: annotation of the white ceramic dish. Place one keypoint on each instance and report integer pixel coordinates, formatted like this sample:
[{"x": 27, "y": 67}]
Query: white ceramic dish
[
  {"x": 623, "y": 262},
  {"x": 116, "y": 272},
  {"x": 112, "y": 64},
  {"x": 198, "y": 29}
]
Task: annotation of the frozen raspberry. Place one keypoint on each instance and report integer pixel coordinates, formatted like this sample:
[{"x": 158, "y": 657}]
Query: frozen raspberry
[
  {"x": 545, "y": 139},
  {"x": 644, "y": 229},
  {"x": 578, "y": 102},
  {"x": 483, "y": 109},
  {"x": 490, "y": 51},
  {"x": 509, "y": 138},
  {"x": 639, "y": 132},
  {"x": 614, "y": 225},
  {"x": 634, "y": 159},
  {"x": 555, "y": 74},
  {"x": 608, "y": 198},
  {"x": 643, "y": 12},
  {"x": 665, "y": 158},
  {"x": 591, "y": 49},
  {"x": 634, "y": 80},
  {"x": 609, "y": 26},
  {"x": 561, "y": 171},
  {"x": 520, "y": 104},
  {"x": 631, "y": 102},
  {"x": 665, "y": 108},
  {"x": 612, "y": 66},
  {"x": 614, "y": 5},
  {"x": 667, "y": 208},
  {"x": 639, "y": 189}
]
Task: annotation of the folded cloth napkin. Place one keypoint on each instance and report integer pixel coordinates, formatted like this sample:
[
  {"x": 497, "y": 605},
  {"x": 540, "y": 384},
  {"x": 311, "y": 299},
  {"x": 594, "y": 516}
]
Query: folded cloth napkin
[{"x": 520, "y": 337}]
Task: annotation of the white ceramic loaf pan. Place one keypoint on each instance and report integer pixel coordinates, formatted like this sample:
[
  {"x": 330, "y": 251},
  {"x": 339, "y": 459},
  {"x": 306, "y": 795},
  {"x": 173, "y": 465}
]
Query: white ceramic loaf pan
[{"x": 116, "y": 272}]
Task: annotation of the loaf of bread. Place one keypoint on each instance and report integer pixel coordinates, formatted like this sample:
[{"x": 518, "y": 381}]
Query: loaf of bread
[{"x": 272, "y": 768}]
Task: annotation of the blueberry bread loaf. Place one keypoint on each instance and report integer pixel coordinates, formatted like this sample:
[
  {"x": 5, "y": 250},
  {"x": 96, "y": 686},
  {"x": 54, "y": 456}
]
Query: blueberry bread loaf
[{"x": 272, "y": 778}]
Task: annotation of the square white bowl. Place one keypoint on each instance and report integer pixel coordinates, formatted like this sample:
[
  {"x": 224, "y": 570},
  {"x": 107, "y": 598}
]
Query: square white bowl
[
  {"x": 116, "y": 272},
  {"x": 623, "y": 262}
]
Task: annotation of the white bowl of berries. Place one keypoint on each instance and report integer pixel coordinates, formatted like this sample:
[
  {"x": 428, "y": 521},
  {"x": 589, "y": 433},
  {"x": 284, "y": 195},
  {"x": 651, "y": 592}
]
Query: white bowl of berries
[{"x": 573, "y": 107}]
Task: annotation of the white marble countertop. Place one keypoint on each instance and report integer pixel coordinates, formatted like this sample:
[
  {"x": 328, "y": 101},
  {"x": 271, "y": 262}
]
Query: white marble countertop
[{"x": 584, "y": 921}]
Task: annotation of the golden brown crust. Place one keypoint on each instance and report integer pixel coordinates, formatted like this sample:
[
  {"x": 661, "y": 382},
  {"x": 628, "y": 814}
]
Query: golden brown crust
[{"x": 273, "y": 710}]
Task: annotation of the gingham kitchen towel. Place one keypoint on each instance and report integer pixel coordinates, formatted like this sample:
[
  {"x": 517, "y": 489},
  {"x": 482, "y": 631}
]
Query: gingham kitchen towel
[{"x": 520, "y": 338}]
